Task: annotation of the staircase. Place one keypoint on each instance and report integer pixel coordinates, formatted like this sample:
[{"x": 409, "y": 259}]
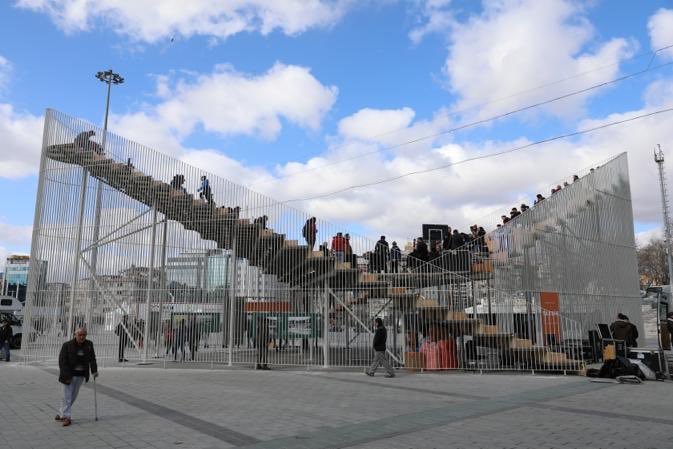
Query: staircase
[{"x": 431, "y": 293}]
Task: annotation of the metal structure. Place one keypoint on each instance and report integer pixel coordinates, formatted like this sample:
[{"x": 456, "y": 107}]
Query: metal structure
[{"x": 226, "y": 276}]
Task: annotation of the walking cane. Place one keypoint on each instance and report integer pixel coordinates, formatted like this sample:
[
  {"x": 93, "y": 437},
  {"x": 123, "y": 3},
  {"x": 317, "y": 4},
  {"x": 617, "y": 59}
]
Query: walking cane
[{"x": 95, "y": 400}]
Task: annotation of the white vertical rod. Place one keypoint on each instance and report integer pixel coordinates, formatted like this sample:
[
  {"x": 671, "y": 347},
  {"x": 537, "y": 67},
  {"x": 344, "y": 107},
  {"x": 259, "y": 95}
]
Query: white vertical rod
[
  {"x": 325, "y": 339},
  {"x": 78, "y": 243},
  {"x": 233, "y": 265},
  {"x": 160, "y": 323},
  {"x": 150, "y": 277}
]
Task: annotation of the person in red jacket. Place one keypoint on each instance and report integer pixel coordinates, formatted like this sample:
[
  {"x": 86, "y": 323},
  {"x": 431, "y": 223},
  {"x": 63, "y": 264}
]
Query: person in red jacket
[{"x": 339, "y": 247}]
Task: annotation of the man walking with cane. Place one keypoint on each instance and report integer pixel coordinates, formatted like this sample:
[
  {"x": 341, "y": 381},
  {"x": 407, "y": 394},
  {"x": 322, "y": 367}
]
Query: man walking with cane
[
  {"x": 76, "y": 359},
  {"x": 380, "y": 337}
]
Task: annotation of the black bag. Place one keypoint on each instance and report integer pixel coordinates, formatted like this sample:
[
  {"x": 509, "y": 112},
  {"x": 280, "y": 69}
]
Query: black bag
[{"x": 620, "y": 366}]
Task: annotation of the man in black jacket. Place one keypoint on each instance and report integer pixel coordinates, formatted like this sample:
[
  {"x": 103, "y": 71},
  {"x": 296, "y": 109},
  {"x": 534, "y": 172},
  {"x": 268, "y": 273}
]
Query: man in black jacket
[
  {"x": 6, "y": 336},
  {"x": 76, "y": 359},
  {"x": 380, "y": 337}
]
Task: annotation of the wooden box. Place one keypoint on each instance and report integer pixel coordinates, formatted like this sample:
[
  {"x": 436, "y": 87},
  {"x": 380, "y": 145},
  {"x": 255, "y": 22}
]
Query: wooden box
[
  {"x": 397, "y": 291},
  {"x": 456, "y": 316},
  {"x": 485, "y": 266},
  {"x": 488, "y": 329},
  {"x": 413, "y": 360},
  {"x": 555, "y": 358},
  {"x": 520, "y": 343},
  {"x": 423, "y": 302},
  {"x": 369, "y": 277},
  {"x": 343, "y": 265}
]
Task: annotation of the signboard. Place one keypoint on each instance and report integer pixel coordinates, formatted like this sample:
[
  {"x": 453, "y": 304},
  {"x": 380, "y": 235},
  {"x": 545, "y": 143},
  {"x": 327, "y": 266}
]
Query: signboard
[{"x": 551, "y": 320}]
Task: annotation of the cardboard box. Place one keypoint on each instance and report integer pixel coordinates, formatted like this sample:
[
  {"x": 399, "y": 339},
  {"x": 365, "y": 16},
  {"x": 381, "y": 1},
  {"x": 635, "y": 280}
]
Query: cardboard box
[
  {"x": 555, "y": 358},
  {"x": 343, "y": 265},
  {"x": 317, "y": 254},
  {"x": 291, "y": 243},
  {"x": 609, "y": 352},
  {"x": 456, "y": 316},
  {"x": 488, "y": 329},
  {"x": 413, "y": 360},
  {"x": 520, "y": 343}
]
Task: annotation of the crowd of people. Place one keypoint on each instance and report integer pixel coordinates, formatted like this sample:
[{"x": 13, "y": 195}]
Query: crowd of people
[{"x": 514, "y": 212}]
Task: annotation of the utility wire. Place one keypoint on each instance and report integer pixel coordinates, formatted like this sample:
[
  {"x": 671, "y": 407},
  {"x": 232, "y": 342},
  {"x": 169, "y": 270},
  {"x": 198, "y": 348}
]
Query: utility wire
[
  {"x": 485, "y": 156},
  {"x": 649, "y": 68}
]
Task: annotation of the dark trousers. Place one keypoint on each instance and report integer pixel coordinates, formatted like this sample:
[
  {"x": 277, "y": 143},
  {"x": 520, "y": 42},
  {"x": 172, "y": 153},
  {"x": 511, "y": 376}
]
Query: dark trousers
[{"x": 122, "y": 346}]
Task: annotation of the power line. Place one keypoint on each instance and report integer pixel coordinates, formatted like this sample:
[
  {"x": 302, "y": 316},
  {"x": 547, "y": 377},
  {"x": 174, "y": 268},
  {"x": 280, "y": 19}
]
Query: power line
[
  {"x": 649, "y": 68},
  {"x": 485, "y": 156}
]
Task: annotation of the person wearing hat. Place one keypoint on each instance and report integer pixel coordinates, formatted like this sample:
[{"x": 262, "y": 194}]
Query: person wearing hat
[
  {"x": 5, "y": 337},
  {"x": 395, "y": 258},
  {"x": 623, "y": 329}
]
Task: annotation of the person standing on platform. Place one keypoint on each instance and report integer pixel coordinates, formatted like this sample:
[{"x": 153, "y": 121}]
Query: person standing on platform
[
  {"x": 76, "y": 359},
  {"x": 309, "y": 232},
  {"x": 395, "y": 258},
  {"x": 204, "y": 190},
  {"x": 380, "y": 337}
]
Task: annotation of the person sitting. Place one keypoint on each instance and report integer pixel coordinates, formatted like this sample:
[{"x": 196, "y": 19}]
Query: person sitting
[
  {"x": 177, "y": 183},
  {"x": 538, "y": 198},
  {"x": 524, "y": 207},
  {"x": 514, "y": 213},
  {"x": 505, "y": 219},
  {"x": 84, "y": 143},
  {"x": 261, "y": 221},
  {"x": 623, "y": 329},
  {"x": 575, "y": 178}
]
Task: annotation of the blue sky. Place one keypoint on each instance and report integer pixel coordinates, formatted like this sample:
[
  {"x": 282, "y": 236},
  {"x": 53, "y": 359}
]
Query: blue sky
[{"x": 318, "y": 81}]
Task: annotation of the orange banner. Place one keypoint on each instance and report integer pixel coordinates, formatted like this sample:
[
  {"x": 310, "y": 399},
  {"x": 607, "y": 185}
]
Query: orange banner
[{"x": 551, "y": 321}]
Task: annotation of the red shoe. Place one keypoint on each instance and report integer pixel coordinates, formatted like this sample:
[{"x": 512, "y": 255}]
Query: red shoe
[{"x": 66, "y": 422}]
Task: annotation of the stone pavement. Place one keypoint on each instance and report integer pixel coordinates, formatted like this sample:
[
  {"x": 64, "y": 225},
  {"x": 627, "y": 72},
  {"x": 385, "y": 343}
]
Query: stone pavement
[{"x": 148, "y": 407}]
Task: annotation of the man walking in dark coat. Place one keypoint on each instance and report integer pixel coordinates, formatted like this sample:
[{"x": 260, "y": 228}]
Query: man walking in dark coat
[
  {"x": 123, "y": 337},
  {"x": 76, "y": 359},
  {"x": 6, "y": 336},
  {"x": 380, "y": 337}
]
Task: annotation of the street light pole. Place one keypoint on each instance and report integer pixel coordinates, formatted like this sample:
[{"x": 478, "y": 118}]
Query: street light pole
[{"x": 109, "y": 77}]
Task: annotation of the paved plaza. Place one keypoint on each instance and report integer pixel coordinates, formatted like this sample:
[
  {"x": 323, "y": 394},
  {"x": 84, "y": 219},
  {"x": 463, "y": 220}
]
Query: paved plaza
[{"x": 151, "y": 407}]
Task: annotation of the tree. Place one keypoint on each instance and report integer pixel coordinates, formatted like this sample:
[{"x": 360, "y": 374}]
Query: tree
[{"x": 652, "y": 265}]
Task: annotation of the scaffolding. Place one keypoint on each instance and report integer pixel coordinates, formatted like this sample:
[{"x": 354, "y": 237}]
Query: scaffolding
[{"x": 160, "y": 267}]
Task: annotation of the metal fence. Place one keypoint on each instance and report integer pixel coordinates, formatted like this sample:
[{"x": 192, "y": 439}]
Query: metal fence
[{"x": 159, "y": 271}]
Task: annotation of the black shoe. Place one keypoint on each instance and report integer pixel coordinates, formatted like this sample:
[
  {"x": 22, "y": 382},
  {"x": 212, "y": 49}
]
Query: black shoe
[
  {"x": 369, "y": 374},
  {"x": 390, "y": 375},
  {"x": 258, "y": 366},
  {"x": 266, "y": 367}
]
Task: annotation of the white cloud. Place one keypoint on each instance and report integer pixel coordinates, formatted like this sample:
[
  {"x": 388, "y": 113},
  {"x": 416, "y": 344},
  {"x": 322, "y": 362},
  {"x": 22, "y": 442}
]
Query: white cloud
[
  {"x": 21, "y": 142},
  {"x": 515, "y": 46},
  {"x": 660, "y": 26},
  {"x": 229, "y": 103},
  {"x": 5, "y": 70},
  {"x": 434, "y": 17},
  {"x": 151, "y": 20},
  {"x": 373, "y": 124},
  {"x": 645, "y": 237},
  {"x": 13, "y": 240},
  {"x": 15, "y": 236}
]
